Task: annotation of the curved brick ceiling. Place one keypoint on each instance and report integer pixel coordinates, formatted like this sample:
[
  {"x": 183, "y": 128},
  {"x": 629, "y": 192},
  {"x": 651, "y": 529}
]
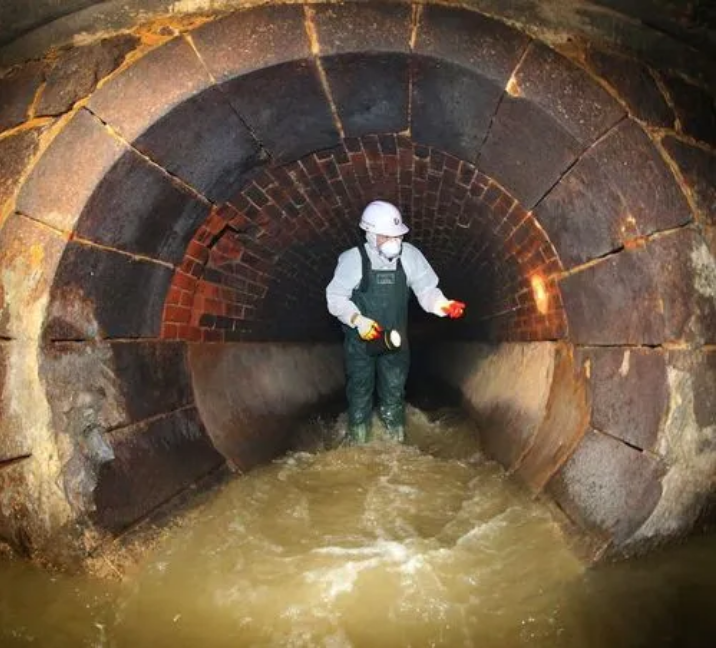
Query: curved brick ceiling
[
  {"x": 258, "y": 267},
  {"x": 202, "y": 191}
]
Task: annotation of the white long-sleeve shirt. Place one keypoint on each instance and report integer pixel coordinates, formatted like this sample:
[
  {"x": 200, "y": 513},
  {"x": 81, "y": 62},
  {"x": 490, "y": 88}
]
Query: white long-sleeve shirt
[{"x": 420, "y": 276}]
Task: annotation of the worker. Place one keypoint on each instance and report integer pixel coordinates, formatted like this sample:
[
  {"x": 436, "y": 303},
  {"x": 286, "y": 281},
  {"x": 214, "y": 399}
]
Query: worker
[{"x": 369, "y": 295}]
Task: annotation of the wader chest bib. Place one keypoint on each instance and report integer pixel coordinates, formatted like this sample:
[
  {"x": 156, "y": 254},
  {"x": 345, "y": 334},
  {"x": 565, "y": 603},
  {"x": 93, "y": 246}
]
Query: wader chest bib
[{"x": 382, "y": 296}]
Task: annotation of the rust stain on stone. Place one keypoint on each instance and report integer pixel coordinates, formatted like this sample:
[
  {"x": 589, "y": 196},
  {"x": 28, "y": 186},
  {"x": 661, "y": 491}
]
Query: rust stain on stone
[
  {"x": 513, "y": 89},
  {"x": 159, "y": 31},
  {"x": 635, "y": 243},
  {"x": 628, "y": 228},
  {"x": 37, "y": 255},
  {"x": 35, "y": 122},
  {"x": 312, "y": 34}
]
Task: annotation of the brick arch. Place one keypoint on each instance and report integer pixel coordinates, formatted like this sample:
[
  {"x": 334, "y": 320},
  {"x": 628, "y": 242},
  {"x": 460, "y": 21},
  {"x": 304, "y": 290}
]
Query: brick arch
[{"x": 257, "y": 269}]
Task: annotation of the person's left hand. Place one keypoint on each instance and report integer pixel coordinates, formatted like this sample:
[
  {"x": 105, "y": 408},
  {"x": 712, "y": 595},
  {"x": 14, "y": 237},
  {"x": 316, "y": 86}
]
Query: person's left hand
[{"x": 454, "y": 309}]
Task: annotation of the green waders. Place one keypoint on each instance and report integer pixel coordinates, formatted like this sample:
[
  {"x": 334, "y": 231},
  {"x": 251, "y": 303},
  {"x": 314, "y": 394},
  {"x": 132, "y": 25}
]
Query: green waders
[{"x": 382, "y": 296}]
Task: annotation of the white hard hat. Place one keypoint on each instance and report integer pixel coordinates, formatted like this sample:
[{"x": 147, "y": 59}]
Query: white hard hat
[{"x": 380, "y": 217}]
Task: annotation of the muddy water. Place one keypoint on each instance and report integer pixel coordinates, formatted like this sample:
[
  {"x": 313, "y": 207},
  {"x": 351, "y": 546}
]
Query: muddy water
[{"x": 383, "y": 545}]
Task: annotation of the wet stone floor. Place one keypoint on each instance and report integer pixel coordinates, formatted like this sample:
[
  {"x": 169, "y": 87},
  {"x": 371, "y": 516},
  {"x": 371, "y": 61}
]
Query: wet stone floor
[{"x": 426, "y": 544}]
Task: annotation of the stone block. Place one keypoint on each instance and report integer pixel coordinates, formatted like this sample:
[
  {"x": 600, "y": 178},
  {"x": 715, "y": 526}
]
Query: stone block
[
  {"x": 85, "y": 397},
  {"x": 154, "y": 377},
  {"x": 29, "y": 254},
  {"x": 635, "y": 85},
  {"x": 584, "y": 215},
  {"x": 505, "y": 388},
  {"x": 99, "y": 293},
  {"x": 139, "y": 209},
  {"x": 362, "y": 27},
  {"x": 687, "y": 444},
  {"x": 296, "y": 121},
  {"x": 565, "y": 421},
  {"x": 685, "y": 271},
  {"x": 153, "y": 462},
  {"x": 616, "y": 301},
  {"x": 370, "y": 92},
  {"x": 56, "y": 192},
  {"x": 16, "y": 152},
  {"x": 698, "y": 167},
  {"x": 250, "y": 395},
  {"x": 203, "y": 142},
  {"x": 697, "y": 392},
  {"x": 251, "y": 40},
  {"x": 608, "y": 487},
  {"x": 77, "y": 71},
  {"x": 149, "y": 88},
  {"x": 471, "y": 40},
  {"x": 94, "y": 387},
  {"x": 13, "y": 443},
  {"x": 601, "y": 202},
  {"x": 34, "y": 516},
  {"x": 114, "y": 384},
  {"x": 17, "y": 519},
  {"x": 526, "y": 150},
  {"x": 695, "y": 108},
  {"x": 643, "y": 31},
  {"x": 452, "y": 107},
  {"x": 566, "y": 93},
  {"x": 17, "y": 92},
  {"x": 629, "y": 391}
]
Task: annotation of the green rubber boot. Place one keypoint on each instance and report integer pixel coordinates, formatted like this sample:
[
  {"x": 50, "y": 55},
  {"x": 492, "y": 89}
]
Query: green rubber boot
[
  {"x": 396, "y": 433},
  {"x": 359, "y": 434}
]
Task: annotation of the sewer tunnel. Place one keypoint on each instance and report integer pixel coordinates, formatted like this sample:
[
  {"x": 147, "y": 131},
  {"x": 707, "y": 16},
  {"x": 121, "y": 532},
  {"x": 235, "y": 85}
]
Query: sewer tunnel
[{"x": 177, "y": 183}]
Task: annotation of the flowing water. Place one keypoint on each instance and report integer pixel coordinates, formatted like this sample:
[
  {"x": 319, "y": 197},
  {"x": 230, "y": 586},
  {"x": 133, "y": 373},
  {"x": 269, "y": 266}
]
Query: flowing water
[{"x": 426, "y": 544}]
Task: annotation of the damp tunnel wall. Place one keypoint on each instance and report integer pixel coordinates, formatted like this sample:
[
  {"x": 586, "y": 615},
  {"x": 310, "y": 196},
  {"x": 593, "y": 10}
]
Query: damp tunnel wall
[{"x": 174, "y": 198}]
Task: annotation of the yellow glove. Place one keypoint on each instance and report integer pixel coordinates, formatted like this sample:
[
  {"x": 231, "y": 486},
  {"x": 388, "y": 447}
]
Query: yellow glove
[{"x": 367, "y": 328}]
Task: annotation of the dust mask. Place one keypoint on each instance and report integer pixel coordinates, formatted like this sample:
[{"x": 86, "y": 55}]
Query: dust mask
[{"x": 391, "y": 248}]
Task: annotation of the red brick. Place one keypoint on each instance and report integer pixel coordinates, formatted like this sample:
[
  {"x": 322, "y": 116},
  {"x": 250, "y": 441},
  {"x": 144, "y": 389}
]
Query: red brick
[
  {"x": 177, "y": 314},
  {"x": 186, "y": 298},
  {"x": 197, "y": 251},
  {"x": 170, "y": 331},
  {"x": 211, "y": 290},
  {"x": 184, "y": 281},
  {"x": 215, "y": 224},
  {"x": 174, "y": 295},
  {"x": 225, "y": 212}
]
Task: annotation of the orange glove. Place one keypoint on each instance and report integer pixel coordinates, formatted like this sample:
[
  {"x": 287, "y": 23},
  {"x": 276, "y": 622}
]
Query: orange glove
[
  {"x": 454, "y": 309},
  {"x": 368, "y": 329}
]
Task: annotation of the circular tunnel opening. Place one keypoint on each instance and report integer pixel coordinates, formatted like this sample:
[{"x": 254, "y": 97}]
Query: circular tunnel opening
[
  {"x": 164, "y": 294},
  {"x": 256, "y": 272}
]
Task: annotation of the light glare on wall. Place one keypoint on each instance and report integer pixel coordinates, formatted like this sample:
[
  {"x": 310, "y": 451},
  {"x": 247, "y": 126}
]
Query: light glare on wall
[{"x": 540, "y": 294}]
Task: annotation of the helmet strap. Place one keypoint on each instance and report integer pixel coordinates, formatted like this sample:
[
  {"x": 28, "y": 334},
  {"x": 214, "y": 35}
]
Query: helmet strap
[{"x": 372, "y": 239}]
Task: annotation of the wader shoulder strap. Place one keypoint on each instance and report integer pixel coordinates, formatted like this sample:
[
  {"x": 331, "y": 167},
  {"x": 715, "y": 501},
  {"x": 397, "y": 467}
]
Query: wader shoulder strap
[{"x": 365, "y": 266}]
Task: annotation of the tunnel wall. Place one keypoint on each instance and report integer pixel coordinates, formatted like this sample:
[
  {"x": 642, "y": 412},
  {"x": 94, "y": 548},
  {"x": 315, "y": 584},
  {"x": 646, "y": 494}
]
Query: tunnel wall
[
  {"x": 596, "y": 430},
  {"x": 251, "y": 396},
  {"x": 105, "y": 211}
]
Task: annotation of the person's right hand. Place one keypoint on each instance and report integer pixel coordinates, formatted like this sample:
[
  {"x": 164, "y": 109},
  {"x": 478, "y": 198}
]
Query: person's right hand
[{"x": 367, "y": 328}]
